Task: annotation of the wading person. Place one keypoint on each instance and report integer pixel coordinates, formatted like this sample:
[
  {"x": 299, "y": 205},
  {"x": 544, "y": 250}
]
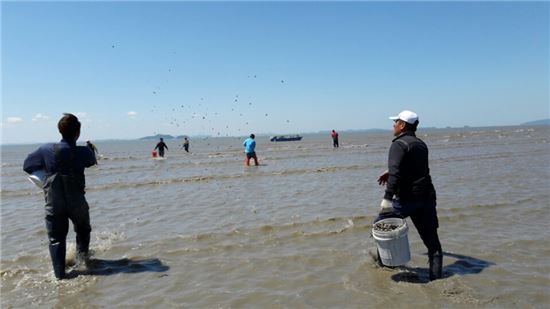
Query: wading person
[
  {"x": 186, "y": 144},
  {"x": 250, "y": 150},
  {"x": 161, "y": 145},
  {"x": 334, "y": 135},
  {"x": 64, "y": 163},
  {"x": 409, "y": 188}
]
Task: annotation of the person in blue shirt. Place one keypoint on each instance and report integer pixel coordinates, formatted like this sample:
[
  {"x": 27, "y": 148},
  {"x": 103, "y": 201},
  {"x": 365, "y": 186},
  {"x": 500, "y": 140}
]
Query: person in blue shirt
[
  {"x": 250, "y": 150},
  {"x": 64, "y": 185}
]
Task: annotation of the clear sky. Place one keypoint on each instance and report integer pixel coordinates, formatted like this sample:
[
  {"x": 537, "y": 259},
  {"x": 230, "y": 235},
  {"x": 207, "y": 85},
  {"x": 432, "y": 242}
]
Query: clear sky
[{"x": 131, "y": 69}]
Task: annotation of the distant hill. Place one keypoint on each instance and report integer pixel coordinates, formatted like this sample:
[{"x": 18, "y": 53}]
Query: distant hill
[
  {"x": 158, "y": 136},
  {"x": 543, "y": 122}
]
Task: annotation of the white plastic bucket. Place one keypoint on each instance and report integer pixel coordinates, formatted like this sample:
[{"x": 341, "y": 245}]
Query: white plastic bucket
[
  {"x": 393, "y": 246},
  {"x": 38, "y": 178}
]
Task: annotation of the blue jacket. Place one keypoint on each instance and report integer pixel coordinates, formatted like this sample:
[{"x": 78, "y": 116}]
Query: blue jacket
[
  {"x": 44, "y": 159},
  {"x": 249, "y": 145}
]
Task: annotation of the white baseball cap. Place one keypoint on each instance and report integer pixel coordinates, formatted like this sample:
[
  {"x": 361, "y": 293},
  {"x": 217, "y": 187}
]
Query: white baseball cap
[{"x": 407, "y": 116}]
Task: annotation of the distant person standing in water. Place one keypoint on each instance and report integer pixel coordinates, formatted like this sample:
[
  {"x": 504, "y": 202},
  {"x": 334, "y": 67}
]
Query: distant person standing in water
[
  {"x": 161, "y": 145},
  {"x": 186, "y": 144},
  {"x": 334, "y": 135},
  {"x": 64, "y": 163},
  {"x": 409, "y": 188},
  {"x": 250, "y": 150}
]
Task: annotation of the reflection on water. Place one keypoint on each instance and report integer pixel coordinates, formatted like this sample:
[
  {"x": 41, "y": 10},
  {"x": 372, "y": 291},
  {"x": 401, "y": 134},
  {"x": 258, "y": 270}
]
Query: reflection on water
[{"x": 100, "y": 267}]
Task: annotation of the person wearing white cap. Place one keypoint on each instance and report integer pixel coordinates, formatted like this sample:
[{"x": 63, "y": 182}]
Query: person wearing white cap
[{"x": 409, "y": 188}]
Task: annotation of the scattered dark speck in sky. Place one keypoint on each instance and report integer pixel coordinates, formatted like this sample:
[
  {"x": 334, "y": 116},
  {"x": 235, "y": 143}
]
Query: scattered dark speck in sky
[
  {"x": 266, "y": 115},
  {"x": 154, "y": 92},
  {"x": 112, "y": 46},
  {"x": 287, "y": 121}
]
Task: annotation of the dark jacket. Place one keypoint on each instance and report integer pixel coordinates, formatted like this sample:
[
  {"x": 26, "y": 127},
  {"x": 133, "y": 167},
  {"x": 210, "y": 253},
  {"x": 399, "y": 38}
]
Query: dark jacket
[
  {"x": 161, "y": 146},
  {"x": 64, "y": 158},
  {"x": 409, "y": 173}
]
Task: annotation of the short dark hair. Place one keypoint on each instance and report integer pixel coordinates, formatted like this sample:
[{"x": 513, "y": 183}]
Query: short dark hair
[
  {"x": 252, "y": 136},
  {"x": 411, "y": 127},
  {"x": 69, "y": 126}
]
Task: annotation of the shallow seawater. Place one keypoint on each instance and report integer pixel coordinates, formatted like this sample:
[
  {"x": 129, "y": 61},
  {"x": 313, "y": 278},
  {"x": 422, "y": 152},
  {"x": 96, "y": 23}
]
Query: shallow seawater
[{"x": 203, "y": 230}]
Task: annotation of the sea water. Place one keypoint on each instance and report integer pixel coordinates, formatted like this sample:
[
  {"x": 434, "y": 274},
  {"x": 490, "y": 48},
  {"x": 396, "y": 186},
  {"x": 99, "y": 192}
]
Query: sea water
[{"x": 201, "y": 230}]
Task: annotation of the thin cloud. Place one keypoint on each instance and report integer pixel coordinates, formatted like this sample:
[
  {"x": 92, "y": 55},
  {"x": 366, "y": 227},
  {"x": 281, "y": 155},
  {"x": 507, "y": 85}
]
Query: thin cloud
[
  {"x": 132, "y": 114},
  {"x": 83, "y": 117},
  {"x": 40, "y": 117},
  {"x": 14, "y": 120}
]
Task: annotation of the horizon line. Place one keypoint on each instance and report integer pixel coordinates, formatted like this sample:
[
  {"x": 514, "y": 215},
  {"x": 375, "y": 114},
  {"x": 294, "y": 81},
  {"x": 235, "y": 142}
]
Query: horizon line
[{"x": 203, "y": 136}]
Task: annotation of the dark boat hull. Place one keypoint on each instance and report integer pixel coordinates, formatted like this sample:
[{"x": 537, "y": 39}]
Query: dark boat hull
[{"x": 285, "y": 138}]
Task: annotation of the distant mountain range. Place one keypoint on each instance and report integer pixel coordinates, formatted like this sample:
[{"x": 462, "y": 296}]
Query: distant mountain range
[
  {"x": 542, "y": 122},
  {"x": 163, "y": 136}
]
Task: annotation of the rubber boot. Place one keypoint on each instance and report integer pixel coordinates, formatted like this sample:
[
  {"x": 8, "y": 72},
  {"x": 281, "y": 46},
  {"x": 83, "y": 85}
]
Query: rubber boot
[
  {"x": 57, "y": 253},
  {"x": 436, "y": 265},
  {"x": 82, "y": 243}
]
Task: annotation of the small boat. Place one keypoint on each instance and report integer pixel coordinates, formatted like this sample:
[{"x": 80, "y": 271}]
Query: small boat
[{"x": 285, "y": 138}]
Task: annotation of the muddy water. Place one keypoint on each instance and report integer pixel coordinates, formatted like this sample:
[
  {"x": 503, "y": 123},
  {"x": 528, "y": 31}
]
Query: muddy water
[{"x": 201, "y": 230}]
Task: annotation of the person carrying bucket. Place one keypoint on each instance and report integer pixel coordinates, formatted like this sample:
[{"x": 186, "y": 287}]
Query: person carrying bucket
[
  {"x": 409, "y": 189},
  {"x": 161, "y": 145},
  {"x": 64, "y": 191}
]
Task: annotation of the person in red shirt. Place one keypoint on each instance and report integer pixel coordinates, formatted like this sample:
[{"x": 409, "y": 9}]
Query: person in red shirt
[{"x": 334, "y": 135}]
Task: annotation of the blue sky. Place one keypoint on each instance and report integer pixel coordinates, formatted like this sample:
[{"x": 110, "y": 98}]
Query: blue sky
[{"x": 130, "y": 69}]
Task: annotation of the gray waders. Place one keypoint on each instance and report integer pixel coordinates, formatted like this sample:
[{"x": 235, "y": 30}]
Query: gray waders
[{"x": 65, "y": 200}]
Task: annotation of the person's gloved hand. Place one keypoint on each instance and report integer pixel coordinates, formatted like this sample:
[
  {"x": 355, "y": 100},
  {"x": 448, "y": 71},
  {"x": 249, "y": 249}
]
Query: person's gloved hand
[{"x": 385, "y": 206}]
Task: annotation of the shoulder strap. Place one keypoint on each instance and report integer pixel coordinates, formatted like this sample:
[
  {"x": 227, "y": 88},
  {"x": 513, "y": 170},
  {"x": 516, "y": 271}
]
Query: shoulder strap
[
  {"x": 59, "y": 163},
  {"x": 57, "y": 153},
  {"x": 404, "y": 143}
]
